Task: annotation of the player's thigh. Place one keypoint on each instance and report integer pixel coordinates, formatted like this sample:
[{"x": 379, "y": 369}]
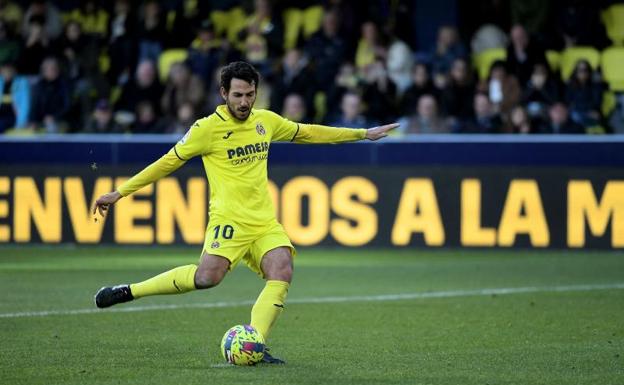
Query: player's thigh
[
  {"x": 273, "y": 245},
  {"x": 228, "y": 240}
]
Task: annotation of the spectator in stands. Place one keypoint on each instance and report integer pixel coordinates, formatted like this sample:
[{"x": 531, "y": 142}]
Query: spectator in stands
[
  {"x": 485, "y": 120},
  {"x": 347, "y": 80},
  {"x": 206, "y": 53},
  {"x": 427, "y": 120},
  {"x": 421, "y": 85},
  {"x": 379, "y": 92},
  {"x": 370, "y": 46},
  {"x": 448, "y": 48},
  {"x": 327, "y": 50},
  {"x": 147, "y": 122},
  {"x": 182, "y": 87},
  {"x": 616, "y": 118},
  {"x": 503, "y": 88},
  {"x": 560, "y": 122},
  {"x": 122, "y": 47},
  {"x": 293, "y": 76},
  {"x": 101, "y": 120},
  {"x": 399, "y": 62},
  {"x": 36, "y": 47},
  {"x": 92, "y": 18},
  {"x": 184, "y": 119},
  {"x": 79, "y": 59},
  {"x": 458, "y": 95},
  {"x": 14, "y": 98},
  {"x": 541, "y": 91},
  {"x": 488, "y": 36},
  {"x": 523, "y": 53},
  {"x": 144, "y": 87},
  {"x": 50, "y": 98},
  {"x": 351, "y": 116},
  {"x": 295, "y": 109},
  {"x": 48, "y": 14},
  {"x": 520, "y": 122},
  {"x": 152, "y": 31},
  {"x": 584, "y": 95},
  {"x": 9, "y": 46},
  {"x": 262, "y": 37},
  {"x": 11, "y": 16}
]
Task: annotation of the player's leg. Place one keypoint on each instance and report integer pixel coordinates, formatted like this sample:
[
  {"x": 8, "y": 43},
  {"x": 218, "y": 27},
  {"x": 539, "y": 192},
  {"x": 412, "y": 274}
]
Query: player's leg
[
  {"x": 182, "y": 279},
  {"x": 277, "y": 270}
]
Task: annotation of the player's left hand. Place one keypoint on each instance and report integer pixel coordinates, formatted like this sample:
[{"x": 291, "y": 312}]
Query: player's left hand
[
  {"x": 103, "y": 203},
  {"x": 380, "y": 131}
]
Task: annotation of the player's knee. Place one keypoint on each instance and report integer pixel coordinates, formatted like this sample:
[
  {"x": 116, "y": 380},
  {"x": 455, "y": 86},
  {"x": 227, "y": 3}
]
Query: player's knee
[
  {"x": 278, "y": 266},
  {"x": 207, "y": 278}
]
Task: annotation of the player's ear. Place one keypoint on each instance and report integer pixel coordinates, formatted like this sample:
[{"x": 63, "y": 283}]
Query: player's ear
[{"x": 223, "y": 93}]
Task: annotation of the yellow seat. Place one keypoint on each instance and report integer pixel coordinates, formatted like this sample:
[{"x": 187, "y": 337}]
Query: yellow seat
[
  {"x": 484, "y": 60},
  {"x": 570, "y": 56},
  {"x": 554, "y": 60},
  {"x": 612, "y": 63},
  {"x": 167, "y": 58},
  {"x": 229, "y": 23},
  {"x": 613, "y": 19},
  {"x": 295, "y": 20}
]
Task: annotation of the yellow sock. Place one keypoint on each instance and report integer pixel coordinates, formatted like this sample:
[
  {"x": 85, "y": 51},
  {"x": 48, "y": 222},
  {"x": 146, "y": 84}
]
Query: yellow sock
[
  {"x": 269, "y": 306},
  {"x": 175, "y": 281}
]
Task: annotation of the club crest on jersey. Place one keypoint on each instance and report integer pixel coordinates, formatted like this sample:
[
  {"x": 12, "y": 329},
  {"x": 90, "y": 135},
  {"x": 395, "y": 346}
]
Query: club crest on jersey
[
  {"x": 260, "y": 129},
  {"x": 215, "y": 245}
]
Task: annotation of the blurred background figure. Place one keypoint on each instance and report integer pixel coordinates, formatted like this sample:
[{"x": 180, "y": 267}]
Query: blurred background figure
[
  {"x": 523, "y": 53},
  {"x": 182, "y": 87},
  {"x": 184, "y": 119},
  {"x": 50, "y": 98},
  {"x": 351, "y": 112},
  {"x": 143, "y": 87},
  {"x": 101, "y": 121},
  {"x": 427, "y": 119},
  {"x": 584, "y": 95},
  {"x": 485, "y": 119},
  {"x": 448, "y": 48},
  {"x": 520, "y": 122},
  {"x": 15, "y": 98},
  {"x": 560, "y": 122},
  {"x": 295, "y": 109}
]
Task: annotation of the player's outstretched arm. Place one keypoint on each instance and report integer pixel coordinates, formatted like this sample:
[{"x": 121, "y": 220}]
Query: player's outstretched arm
[
  {"x": 164, "y": 166},
  {"x": 314, "y": 133}
]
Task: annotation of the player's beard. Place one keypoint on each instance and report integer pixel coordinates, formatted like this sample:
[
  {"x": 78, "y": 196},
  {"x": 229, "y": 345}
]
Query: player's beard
[{"x": 235, "y": 112}]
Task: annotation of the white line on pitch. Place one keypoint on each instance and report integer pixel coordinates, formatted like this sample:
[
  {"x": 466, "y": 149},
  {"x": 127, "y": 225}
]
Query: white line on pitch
[{"x": 358, "y": 298}]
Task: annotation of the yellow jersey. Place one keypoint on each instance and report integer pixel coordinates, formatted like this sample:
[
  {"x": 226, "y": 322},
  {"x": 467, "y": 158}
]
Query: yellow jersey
[{"x": 235, "y": 154}]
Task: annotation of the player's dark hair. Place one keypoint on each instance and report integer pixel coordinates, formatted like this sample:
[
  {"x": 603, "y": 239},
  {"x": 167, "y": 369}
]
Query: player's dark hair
[{"x": 239, "y": 70}]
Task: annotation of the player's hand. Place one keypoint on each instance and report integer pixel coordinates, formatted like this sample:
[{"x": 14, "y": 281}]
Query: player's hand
[
  {"x": 380, "y": 131},
  {"x": 103, "y": 203}
]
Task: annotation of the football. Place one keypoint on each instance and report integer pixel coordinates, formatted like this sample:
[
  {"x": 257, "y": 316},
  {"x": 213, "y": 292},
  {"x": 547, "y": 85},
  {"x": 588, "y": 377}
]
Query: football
[{"x": 242, "y": 345}]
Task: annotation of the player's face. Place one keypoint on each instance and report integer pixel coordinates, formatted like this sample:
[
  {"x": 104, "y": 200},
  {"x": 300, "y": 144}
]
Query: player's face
[{"x": 240, "y": 99}]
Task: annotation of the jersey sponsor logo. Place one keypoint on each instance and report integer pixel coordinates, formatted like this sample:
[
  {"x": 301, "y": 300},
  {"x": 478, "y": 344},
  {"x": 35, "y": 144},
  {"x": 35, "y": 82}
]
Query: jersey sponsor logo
[
  {"x": 260, "y": 129},
  {"x": 249, "y": 149}
]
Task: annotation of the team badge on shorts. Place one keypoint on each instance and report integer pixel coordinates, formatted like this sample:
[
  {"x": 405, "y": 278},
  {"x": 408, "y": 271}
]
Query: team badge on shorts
[
  {"x": 260, "y": 129},
  {"x": 215, "y": 245}
]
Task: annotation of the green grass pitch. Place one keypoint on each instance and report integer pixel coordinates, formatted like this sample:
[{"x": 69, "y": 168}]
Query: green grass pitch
[{"x": 360, "y": 316}]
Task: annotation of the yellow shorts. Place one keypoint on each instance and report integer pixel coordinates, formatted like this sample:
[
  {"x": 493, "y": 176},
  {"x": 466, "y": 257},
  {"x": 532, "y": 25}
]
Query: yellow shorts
[{"x": 235, "y": 241}]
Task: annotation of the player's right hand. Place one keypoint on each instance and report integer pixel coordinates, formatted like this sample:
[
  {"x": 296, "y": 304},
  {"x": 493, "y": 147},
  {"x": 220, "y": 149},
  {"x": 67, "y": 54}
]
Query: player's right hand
[{"x": 103, "y": 202}]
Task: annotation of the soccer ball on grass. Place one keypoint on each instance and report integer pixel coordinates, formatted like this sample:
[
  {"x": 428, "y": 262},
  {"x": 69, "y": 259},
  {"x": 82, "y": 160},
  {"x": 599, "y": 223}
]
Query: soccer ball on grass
[{"x": 242, "y": 345}]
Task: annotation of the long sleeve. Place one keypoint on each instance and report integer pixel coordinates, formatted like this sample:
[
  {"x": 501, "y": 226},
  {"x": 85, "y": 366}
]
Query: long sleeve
[
  {"x": 314, "y": 133},
  {"x": 164, "y": 166}
]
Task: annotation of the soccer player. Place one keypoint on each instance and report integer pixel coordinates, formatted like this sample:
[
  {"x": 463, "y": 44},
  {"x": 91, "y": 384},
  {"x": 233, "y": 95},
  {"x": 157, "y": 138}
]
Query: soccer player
[{"x": 234, "y": 144}]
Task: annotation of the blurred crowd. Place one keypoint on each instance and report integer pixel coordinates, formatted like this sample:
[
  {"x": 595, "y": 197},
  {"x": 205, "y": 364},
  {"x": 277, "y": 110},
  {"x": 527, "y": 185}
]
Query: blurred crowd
[{"x": 152, "y": 66}]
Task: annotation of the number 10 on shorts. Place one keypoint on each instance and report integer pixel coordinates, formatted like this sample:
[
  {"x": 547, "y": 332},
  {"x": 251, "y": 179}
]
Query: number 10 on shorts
[{"x": 228, "y": 232}]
